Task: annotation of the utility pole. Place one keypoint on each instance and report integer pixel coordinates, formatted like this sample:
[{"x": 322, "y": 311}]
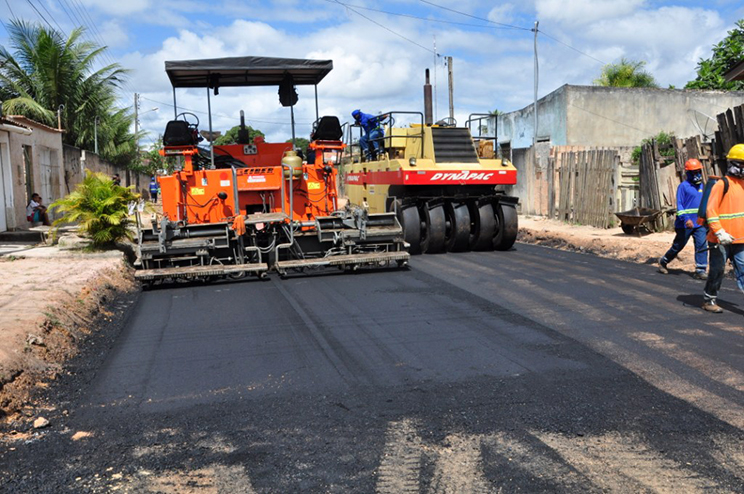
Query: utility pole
[
  {"x": 136, "y": 121},
  {"x": 95, "y": 135},
  {"x": 451, "y": 90},
  {"x": 436, "y": 69},
  {"x": 534, "y": 138},
  {"x": 59, "y": 116}
]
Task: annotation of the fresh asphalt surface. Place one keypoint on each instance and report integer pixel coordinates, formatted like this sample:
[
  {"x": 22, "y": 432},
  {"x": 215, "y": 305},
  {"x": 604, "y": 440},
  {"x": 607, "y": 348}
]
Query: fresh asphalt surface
[{"x": 532, "y": 370}]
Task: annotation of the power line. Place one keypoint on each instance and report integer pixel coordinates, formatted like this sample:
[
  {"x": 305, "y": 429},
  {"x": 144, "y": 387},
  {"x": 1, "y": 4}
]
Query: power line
[
  {"x": 410, "y": 16},
  {"x": 475, "y": 17},
  {"x": 51, "y": 16},
  {"x": 41, "y": 16},
  {"x": 569, "y": 46},
  {"x": 385, "y": 27}
]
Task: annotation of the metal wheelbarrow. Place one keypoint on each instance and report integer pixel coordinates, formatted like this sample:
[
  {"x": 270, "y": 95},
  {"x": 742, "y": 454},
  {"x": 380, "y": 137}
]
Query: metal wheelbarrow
[{"x": 632, "y": 220}]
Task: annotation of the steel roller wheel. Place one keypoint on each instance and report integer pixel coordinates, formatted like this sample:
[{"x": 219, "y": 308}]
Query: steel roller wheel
[
  {"x": 508, "y": 227},
  {"x": 410, "y": 220},
  {"x": 484, "y": 226},
  {"x": 458, "y": 226},
  {"x": 436, "y": 230}
]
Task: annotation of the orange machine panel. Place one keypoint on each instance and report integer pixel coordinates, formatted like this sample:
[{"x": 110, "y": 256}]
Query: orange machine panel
[
  {"x": 258, "y": 154},
  {"x": 260, "y": 178}
]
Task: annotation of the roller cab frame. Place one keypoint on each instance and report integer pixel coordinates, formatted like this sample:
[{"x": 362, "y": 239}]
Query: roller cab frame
[{"x": 445, "y": 186}]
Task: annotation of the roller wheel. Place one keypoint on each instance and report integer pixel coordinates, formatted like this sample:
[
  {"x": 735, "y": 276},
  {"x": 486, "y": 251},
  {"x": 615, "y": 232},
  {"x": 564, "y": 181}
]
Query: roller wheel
[
  {"x": 628, "y": 229},
  {"x": 410, "y": 220},
  {"x": 507, "y": 228},
  {"x": 436, "y": 230},
  {"x": 458, "y": 226},
  {"x": 483, "y": 228}
]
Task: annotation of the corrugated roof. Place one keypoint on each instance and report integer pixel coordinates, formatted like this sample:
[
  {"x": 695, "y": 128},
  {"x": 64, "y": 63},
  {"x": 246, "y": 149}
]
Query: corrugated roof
[
  {"x": 27, "y": 122},
  {"x": 736, "y": 73},
  {"x": 7, "y": 121}
]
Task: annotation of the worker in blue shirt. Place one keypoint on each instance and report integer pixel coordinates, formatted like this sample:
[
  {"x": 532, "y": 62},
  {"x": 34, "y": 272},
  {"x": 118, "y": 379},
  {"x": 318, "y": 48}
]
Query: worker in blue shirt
[
  {"x": 373, "y": 133},
  {"x": 154, "y": 188},
  {"x": 689, "y": 194}
]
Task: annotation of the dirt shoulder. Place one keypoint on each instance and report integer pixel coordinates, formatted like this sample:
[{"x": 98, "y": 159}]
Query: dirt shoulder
[
  {"x": 51, "y": 303},
  {"x": 611, "y": 243}
]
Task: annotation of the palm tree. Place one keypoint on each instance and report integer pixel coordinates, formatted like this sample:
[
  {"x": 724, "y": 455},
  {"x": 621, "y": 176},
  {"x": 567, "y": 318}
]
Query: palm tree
[
  {"x": 626, "y": 73},
  {"x": 46, "y": 72}
]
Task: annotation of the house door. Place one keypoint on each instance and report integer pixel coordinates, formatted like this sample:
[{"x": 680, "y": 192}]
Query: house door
[
  {"x": 46, "y": 190},
  {"x": 5, "y": 186}
]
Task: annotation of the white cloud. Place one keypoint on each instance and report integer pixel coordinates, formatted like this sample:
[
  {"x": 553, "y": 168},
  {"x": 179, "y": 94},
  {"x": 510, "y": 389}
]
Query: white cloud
[
  {"x": 118, "y": 7},
  {"x": 581, "y": 12}
]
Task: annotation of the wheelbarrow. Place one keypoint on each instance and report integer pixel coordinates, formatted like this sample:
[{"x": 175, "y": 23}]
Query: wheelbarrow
[{"x": 632, "y": 220}]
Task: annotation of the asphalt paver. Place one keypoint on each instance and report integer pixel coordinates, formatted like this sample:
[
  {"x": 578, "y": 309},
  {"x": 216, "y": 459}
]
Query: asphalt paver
[{"x": 531, "y": 370}]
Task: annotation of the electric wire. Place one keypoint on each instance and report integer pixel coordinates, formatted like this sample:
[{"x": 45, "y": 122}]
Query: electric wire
[
  {"x": 386, "y": 28},
  {"x": 411, "y": 16},
  {"x": 41, "y": 16},
  {"x": 510, "y": 26},
  {"x": 571, "y": 47},
  {"x": 50, "y": 16}
]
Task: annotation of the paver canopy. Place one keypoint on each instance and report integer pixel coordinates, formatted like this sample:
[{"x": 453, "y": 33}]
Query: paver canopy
[{"x": 245, "y": 71}]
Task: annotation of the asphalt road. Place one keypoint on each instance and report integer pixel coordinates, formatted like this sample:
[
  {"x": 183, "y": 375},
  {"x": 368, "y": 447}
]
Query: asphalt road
[{"x": 532, "y": 370}]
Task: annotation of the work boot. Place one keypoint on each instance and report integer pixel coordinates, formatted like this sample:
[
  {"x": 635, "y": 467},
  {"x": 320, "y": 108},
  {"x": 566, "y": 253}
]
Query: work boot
[
  {"x": 663, "y": 267},
  {"x": 710, "y": 306},
  {"x": 700, "y": 275}
]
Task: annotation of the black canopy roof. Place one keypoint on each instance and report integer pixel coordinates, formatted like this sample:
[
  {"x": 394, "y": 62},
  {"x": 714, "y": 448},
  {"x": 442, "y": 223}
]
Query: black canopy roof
[{"x": 245, "y": 71}]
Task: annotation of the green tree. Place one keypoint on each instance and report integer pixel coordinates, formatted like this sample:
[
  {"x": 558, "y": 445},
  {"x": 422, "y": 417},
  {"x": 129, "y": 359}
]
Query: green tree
[
  {"x": 625, "y": 73},
  {"x": 302, "y": 143},
  {"x": 99, "y": 208},
  {"x": 42, "y": 71},
  {"x": 152, "y": 161},
  {"x": 726, "y": 54},
  {"x": 231, "y": 136}
]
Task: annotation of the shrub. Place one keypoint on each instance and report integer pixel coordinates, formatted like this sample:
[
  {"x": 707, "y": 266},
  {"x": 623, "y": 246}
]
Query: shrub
[
  {"x": 663, "y": 142},
  {"x": 99, "y": 208}
]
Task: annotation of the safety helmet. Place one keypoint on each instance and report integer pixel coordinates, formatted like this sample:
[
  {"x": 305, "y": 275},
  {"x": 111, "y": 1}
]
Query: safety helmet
[
  {"x": 356, "y": 113},
  {"x": 736, "y": 153},
  {"x": 692, "y": 164}
]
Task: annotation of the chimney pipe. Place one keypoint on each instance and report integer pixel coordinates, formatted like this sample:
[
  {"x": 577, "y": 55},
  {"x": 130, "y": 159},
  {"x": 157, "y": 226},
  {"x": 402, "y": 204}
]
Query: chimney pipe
[{"x": 428, "y": 115}]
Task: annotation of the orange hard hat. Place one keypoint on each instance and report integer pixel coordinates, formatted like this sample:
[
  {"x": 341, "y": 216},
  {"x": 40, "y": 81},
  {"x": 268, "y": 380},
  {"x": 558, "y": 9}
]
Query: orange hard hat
[{"x": 692, "y": 164}]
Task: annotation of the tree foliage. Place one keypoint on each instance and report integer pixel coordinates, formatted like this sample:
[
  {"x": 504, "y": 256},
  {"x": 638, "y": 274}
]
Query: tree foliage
[
  {"x": 153, "y": 161},
  {"x": 231, "y": 136},
  {"x": 726, "y": 54},
  {"x": 301, "y": 143},
  {"x": 99, "y": 208},
  {"x": 626, "y": 73},
  {"x": 41, "y": 71}
]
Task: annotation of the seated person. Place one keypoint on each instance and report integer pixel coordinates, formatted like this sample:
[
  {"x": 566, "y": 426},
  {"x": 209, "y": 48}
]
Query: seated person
[{"x": 36, "y": 212}]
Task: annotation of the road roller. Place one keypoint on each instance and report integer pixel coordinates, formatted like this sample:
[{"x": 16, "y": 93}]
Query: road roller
[
  {"x": 445, "y": 187},
  {"x": 255, "y": 207}
]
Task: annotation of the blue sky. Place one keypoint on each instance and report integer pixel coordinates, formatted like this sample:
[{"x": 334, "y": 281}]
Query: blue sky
[{"x": 381, "y": 49}]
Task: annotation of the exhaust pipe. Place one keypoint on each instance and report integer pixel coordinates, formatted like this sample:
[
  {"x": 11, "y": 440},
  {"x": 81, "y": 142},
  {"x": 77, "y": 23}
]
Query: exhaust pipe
[{"x": 428, "y": 114}]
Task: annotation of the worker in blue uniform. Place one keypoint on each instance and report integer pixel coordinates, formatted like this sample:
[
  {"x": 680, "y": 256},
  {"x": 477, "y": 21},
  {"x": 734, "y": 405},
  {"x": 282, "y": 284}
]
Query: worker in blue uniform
[
  {"x": 373, "y": 133},
  {"x": 689, "y": 194}
]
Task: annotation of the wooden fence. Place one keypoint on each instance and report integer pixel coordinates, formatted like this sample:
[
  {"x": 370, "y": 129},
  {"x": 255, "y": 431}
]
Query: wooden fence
[
  {"x": 586, "y": 186},
  {"x": 662, "y": 170}
]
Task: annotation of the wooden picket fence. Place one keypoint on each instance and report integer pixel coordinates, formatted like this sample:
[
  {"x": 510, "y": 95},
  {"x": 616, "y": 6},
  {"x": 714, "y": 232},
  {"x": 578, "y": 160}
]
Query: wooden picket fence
[{"x": 586, "y": 186}]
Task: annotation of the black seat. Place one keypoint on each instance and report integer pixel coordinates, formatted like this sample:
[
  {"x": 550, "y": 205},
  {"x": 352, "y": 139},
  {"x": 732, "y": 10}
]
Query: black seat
[
  {"x": 327, "y": 128},
  {"x": 178, "y": 133}
]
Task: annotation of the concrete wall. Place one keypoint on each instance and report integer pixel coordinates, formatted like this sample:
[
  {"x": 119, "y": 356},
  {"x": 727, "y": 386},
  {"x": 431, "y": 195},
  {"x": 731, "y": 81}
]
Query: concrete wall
[
  {"x": 76, "y": 161},
  {"x": 46, "y": 177},
  {"x": 602, "y": 116},
  {"x": 516, "y": 128}
]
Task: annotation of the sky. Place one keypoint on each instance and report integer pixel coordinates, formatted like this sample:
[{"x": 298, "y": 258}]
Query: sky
[{"x": 380, "y": 50}]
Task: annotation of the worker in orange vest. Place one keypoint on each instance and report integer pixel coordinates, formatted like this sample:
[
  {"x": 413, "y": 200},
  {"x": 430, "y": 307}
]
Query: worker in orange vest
[{"x": 725, "y": 216}]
